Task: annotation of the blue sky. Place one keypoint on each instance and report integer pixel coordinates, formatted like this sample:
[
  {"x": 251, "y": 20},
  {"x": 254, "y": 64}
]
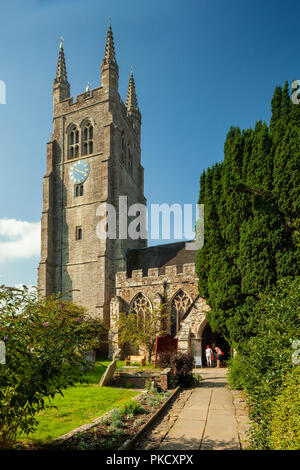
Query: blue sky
[{"x": 199, "y": 66}]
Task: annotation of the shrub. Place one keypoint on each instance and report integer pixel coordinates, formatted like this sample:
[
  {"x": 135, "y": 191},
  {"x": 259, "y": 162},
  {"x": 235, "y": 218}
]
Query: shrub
[
  {"x": 236, "y": 372},
  {"x": 133, "y": 408},
  {"x": 116, "y": 419},
  {"x": 46, "y": 341},
  {"x": 182, "y": 365},
  {"x": 264, "y": 360},
  {"x": 285, "y": 423}
]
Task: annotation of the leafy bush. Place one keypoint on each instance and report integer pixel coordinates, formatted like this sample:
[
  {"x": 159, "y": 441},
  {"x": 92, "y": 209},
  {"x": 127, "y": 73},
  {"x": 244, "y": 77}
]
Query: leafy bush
[
  {"x": 285, "y": 422},
  {"x": 133, "y": 408},
  {"x": 182, "y": 365},
  {"x": 263, "y": 362},
  {"x": 46, "y": 341},
  {"x": 116, "y": 419},
  {"x": 236, "y": 372}
]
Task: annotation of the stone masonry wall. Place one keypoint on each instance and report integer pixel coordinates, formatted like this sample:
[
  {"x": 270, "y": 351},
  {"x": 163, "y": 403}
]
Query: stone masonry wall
[{"x": 159, "y": 288}]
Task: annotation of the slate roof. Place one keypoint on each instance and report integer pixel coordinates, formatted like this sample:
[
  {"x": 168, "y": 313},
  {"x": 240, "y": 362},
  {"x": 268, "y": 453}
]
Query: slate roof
[{"x": 159, "y": 256}]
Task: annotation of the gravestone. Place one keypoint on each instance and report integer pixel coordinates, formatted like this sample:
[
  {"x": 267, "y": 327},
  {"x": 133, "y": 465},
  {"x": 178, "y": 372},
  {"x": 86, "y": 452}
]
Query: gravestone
[{"x": 109, "y": 373}]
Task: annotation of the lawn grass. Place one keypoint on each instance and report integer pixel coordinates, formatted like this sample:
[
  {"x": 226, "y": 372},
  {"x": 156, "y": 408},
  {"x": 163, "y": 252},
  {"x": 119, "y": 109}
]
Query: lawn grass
[{"x": 79, "y": 405}]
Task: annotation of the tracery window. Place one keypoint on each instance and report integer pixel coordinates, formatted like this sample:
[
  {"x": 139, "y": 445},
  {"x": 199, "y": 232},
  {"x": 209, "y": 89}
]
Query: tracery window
[
  {"x": 73, "y": 142},
  {"x": 87, "y": 139},
  {"x": 140, "y": 306},
  {"x": 179, "y": 306}
]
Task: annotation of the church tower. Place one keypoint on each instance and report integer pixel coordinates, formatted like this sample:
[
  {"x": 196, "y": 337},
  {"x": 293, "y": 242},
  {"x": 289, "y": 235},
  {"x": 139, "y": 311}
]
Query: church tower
[{"x": 93, "y": 158}]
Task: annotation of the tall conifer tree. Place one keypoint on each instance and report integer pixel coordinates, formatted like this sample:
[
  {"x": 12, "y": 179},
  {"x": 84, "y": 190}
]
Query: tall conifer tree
[{"x": 252, "y": 204}]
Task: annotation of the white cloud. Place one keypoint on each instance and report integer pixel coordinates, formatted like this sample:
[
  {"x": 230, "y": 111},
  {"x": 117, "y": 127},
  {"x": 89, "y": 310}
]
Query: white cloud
[{"x": 19, "y": 239}]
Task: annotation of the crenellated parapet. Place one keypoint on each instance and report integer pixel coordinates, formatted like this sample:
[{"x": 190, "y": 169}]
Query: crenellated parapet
[{"x": 171, "y": 274}]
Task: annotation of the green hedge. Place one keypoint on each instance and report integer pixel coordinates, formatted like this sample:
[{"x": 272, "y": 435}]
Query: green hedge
[{"x": 285, "y": 423}]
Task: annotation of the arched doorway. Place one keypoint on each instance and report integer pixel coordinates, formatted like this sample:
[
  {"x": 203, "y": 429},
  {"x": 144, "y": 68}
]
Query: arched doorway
[{"x": 214, "y": 339}]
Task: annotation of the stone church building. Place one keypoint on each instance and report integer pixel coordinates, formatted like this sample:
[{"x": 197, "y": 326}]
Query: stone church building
[{"x": 93, "y": 157}]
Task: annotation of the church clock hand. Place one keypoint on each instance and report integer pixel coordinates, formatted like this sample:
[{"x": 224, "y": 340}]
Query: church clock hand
[{"x": 79, "y": 171}]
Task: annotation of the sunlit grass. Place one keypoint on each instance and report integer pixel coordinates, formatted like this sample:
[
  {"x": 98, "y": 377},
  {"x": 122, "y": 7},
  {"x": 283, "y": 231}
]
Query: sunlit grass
[{"x": 79, "y": 405}]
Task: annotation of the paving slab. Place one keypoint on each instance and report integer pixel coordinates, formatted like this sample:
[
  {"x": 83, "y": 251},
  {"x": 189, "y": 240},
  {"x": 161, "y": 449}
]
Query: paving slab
[
  {"x": 207, "y": 419},
  {"x": 195, "y": 413},
  {"x": 187, "y": 430}
]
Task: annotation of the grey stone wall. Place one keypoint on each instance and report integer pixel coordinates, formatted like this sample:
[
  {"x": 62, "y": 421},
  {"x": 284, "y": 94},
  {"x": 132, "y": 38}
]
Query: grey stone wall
[
  {"x": 87, "y": 267},
  {"x": 160, "y": 288}
]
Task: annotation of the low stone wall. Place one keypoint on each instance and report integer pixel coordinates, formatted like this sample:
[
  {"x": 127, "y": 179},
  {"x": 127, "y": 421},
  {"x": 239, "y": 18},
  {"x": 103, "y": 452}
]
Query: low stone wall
[{"x": 138, "y": 379}]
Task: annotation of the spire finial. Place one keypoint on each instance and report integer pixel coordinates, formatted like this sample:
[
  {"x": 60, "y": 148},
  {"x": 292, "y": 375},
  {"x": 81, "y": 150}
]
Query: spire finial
[
  {"x": 109, "y": 54},
  {"x": 131, "y": 100},
  {"x": 61, "y": 70}
]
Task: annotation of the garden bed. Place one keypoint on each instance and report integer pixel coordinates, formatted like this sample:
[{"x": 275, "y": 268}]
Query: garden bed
[
  {"x": 80, "y": 404},
  {"x": 120, "y": 427}
]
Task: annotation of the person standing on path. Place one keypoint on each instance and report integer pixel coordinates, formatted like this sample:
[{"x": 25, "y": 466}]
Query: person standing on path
[
  {"x": 219, "y": 356},
  {"x": 208, "y": 353}
]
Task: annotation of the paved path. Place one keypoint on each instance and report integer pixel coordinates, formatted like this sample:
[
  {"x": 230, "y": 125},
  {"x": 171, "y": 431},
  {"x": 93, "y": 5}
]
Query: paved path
[{"x": 202, "y": 418}]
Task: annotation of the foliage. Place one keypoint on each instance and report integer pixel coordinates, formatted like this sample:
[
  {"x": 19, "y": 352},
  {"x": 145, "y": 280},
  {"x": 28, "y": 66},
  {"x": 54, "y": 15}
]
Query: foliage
[
  {"x": 182, "y": 365},
  {"x": 133, "y": 408},
  {"x": 264, "y": 360},
  {"x": 142, "y": 331},
  {"x": 46, "y": 341},
  {"x": 116, "y": 420},
  {"x": 165, "y": 359},
  {"x": 80, "y": 405},
  {"x": 285, "y": 421},
  {"x": 137, "y": 423},
  {"x": 252, "y": 202},
  {"x": 236, "y": 371}
]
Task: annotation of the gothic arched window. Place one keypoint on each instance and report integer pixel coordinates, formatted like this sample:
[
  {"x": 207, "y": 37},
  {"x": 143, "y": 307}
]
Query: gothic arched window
[
  {"x": 141, "y": 307},
  {"x": 180, "y": 303},
  {"x": 73, "y": 142},
  {"x": 87, "y": 139}
]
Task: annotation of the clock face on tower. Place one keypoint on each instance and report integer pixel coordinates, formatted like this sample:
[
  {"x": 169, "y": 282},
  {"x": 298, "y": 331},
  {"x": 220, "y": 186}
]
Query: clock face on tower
[{"x": 79, "y": 172}]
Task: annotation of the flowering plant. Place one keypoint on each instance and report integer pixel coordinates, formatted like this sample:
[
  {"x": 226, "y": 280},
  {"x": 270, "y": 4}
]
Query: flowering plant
[{"x": 46, "y": 341}]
